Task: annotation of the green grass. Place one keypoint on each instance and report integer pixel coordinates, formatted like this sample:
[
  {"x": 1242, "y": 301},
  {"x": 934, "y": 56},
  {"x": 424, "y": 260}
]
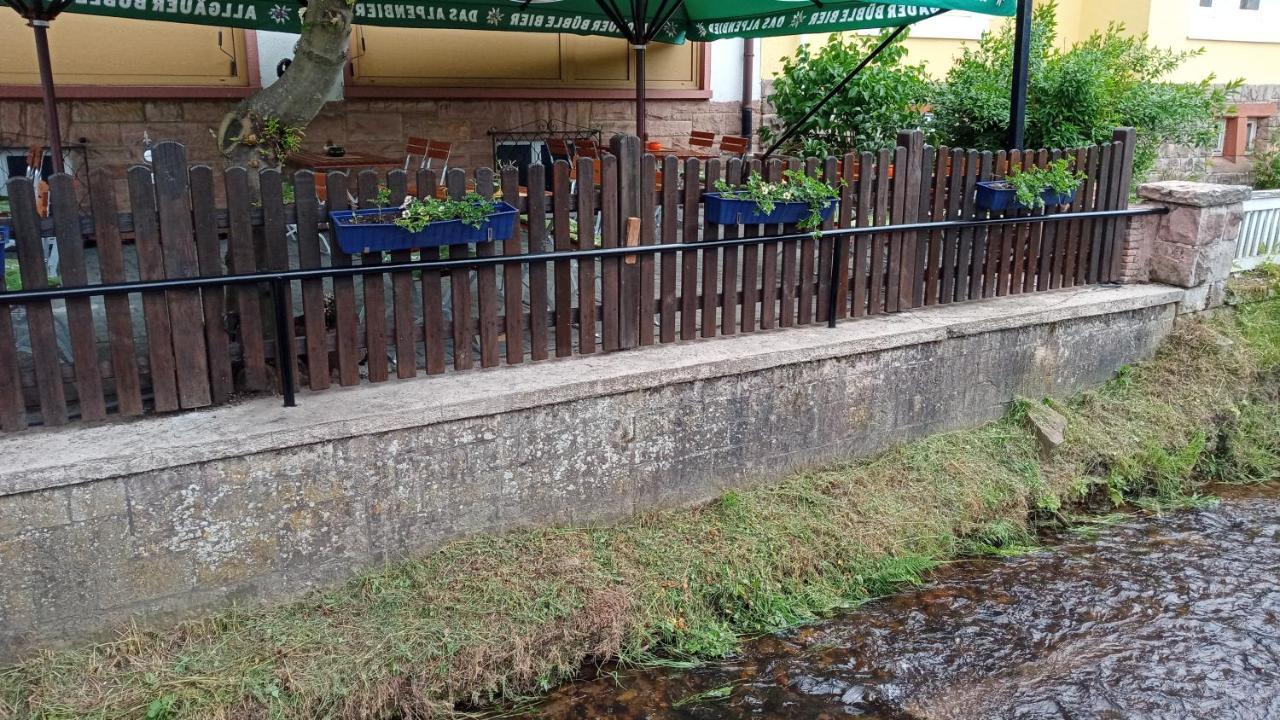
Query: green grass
[{"x": 504, "y": 618}]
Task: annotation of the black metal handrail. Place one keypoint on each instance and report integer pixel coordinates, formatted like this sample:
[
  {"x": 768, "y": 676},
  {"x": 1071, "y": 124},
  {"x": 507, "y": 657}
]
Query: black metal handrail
[
  {"x": 277, "y": 279},
  {"x": 204, "y": 281}
]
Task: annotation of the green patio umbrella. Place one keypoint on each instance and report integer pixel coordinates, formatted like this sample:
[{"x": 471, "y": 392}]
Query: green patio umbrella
[{"x": 639, "y": 21}]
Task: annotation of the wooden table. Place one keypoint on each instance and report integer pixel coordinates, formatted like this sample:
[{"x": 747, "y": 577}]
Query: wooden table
[{"x": 323, "y": 162}]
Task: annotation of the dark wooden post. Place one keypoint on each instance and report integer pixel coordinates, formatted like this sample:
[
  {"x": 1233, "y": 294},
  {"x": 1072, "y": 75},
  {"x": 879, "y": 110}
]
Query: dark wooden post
[{"x": 629, "y": 150}]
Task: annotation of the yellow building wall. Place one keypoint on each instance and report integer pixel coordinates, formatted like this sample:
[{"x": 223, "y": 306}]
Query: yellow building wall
[
  {"x": 1255, "y": 63},
  {"x": 1165, "y": 20}
]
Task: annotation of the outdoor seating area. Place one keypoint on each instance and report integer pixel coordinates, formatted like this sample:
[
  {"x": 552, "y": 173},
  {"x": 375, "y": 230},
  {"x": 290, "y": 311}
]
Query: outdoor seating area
[{"x": 632, "y": 260}]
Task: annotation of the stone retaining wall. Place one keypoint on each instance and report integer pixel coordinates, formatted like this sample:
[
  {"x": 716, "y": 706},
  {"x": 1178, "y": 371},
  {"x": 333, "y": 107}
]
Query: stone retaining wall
[{"x": 163, "y": 517}]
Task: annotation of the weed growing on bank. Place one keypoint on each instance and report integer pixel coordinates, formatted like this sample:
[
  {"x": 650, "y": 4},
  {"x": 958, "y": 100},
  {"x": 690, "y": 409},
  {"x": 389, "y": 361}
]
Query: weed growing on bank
[{"x": 502, "y": 618}]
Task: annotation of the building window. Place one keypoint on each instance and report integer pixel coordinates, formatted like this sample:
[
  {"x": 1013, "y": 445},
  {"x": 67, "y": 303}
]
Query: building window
[
  {"x": 89, "y": 50},
  {"x": 1235, "y": 20}
]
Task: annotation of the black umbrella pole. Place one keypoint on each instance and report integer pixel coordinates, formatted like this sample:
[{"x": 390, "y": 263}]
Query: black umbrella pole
[
  {"x": 641, "y": 112},
  {"x": 1021, "y": 77},
  {"x": 41, "y": 28}
]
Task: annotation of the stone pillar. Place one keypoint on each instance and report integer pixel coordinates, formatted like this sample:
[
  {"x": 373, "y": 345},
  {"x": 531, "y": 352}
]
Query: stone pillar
[{"x": 1194, "y": 246}]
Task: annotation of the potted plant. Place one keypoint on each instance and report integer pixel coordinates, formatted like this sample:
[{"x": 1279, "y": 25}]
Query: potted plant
[
  {"x": 1031, "y": 189},
  {"x": 799, "y": 199},
  {"x": 422, "y": 223}
]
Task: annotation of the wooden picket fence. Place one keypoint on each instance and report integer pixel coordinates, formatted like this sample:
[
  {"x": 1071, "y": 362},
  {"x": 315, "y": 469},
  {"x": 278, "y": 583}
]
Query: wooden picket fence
[{"x": 182, "y": 348}]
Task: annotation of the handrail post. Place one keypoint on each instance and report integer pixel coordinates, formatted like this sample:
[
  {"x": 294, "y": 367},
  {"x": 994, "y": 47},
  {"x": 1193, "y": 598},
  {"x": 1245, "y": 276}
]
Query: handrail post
[{"x": 284, "y": 352}]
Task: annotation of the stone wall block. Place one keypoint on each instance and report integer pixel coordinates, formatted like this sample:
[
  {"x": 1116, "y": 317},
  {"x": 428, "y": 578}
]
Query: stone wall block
[
  {"x": 108, "y": 111},
  {"x": 162, "y": 111},
  {"x": 1193, "y": 246}
]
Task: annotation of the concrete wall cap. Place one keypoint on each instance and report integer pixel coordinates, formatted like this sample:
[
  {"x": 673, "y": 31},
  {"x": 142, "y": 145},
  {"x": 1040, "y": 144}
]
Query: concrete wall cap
[{"x": 1182, "y": 192}]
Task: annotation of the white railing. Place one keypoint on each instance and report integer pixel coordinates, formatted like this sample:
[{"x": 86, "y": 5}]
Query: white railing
[{"x": 1259, "y": 241}]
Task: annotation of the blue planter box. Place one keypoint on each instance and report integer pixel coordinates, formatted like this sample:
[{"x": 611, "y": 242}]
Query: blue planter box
[
  {"x": 995, "y": 197},
  {"x": 734, "y": 211},
  {"x": 365, "y": 237}
]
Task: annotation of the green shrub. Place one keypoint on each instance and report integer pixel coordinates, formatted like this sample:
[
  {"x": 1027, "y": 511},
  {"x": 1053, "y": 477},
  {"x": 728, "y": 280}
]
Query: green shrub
[
  {"x": 886, "y": 97},
  {"x": 1078, "y": 96},
  {"x": 1266, "y": 170}
]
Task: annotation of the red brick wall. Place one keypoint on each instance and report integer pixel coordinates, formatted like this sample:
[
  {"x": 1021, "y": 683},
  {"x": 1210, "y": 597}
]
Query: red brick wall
[{"x": 113, "y": 129}]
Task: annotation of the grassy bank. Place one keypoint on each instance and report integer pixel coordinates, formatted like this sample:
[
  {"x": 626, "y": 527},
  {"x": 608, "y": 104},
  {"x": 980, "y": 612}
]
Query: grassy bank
[{"x": 509, "y": 616}]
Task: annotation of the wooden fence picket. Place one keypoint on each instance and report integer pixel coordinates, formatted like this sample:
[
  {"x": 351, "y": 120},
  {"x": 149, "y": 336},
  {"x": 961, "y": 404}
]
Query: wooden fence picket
[
  {"x": 710, "y": 257},
  {"x": 346, "y": 317},
  {"x": 844, "y": 246},
  {"x": 646, "y": 287},
  {"x": 186, "y": 316},
  {"x": 13, "y": 408},
  {"x": 805, "y": 290},
  {"x": 729, "y": 260},
  {"x": 689, "y": 255},
  {"x": 403, "y": 323},
  {"x": 146, "y": 243},
  {"x": 111, "y": 268},
  {"x": 64, "y": 210},
  {"x": 586, "y": 240},
  {"x": 313, "y": 304},
  {"x": 561, "y": 241},
  {"x": 44, "y": 340},
  {"x": 670, "y": 236},
  {"x": 433, "y": 324},
  {"x": 209, "y": 256},
  {"x": 610, "y": 267},
  {"x": 276, "y": 257},
  {"x": 538, "y": 270}
]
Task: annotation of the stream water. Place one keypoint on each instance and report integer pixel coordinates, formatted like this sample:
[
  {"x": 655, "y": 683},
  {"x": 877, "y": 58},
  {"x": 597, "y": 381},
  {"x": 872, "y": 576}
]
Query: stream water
[{"x": 1154, "y": 617}]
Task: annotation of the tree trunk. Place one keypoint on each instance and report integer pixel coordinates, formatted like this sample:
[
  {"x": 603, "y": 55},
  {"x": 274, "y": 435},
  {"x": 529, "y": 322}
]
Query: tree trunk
[{"x": 298, "y": 96}]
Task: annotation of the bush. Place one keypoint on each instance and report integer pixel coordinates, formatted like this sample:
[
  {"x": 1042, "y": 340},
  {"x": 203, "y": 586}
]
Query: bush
[
  {"x": 887, "y": 96},
  {"x": 1078, "y": 96},
  {"x": 1266, "y": 170}
]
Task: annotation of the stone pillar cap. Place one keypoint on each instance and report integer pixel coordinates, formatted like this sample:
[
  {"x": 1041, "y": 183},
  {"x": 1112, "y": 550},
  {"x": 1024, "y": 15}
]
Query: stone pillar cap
[{"x": 1194, "y": 194}]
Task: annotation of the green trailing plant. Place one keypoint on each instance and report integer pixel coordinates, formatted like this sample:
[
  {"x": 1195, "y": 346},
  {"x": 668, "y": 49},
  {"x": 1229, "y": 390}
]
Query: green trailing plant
[
  {"x": 1030, "y": 184},
  {"x": 472, "y": 210},
  {"x": 1078, "y": 95},
  {"x": 795, "y": 187},
  {"x": 1266, "y": 170},
  {"x": 273, "y": 138},
  {"x": 883, "y": 99}
]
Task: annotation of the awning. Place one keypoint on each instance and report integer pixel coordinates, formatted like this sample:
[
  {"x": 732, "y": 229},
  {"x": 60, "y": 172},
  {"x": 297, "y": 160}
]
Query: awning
[{"x": 699, "y": 20}]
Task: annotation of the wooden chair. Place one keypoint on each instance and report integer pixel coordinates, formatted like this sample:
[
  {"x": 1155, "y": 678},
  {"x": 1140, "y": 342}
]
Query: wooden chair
[
  {"x": 699, "y": 140},
  {"x": 586, "y": 147},
  {"x": 734, "y": 145},
  {"x": 415, "y": 153},
  {"x": 559, "y": 149},
  {"x": 438, "y": 156},
  {"x": 35, "y": 172}
]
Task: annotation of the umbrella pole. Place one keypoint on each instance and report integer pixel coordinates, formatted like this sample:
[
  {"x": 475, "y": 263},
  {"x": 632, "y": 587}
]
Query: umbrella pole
[
  {"x": 1021, "y": 77},
  {"x": 641, "y": 111},
  {"x": 41, "y": 29}
]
